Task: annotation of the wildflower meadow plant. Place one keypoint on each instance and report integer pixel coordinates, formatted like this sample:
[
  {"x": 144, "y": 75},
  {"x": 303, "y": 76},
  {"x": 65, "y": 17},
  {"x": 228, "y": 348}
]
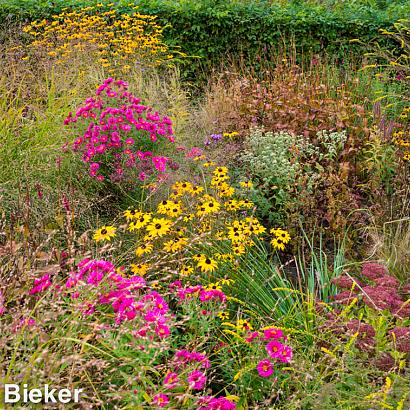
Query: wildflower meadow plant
[
  {"x": 113, "y": 130},
  {"x": 116, "y": 41}
]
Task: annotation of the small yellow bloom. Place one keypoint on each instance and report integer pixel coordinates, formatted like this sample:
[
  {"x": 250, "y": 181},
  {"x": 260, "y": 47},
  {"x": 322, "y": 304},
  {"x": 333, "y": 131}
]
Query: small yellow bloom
[
  {"x": 139, "y": 269},
  {"x": 207, "y": 265},
  {"x": 104, "y": 234},
  {"x": 144, "y": 249}
]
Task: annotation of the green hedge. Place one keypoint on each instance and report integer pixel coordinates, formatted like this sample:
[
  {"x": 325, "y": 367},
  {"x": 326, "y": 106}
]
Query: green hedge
[{"x": 214, "y": 29}]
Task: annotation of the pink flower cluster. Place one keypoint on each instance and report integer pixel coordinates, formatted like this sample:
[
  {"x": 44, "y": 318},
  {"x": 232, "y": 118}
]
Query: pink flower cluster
[
  {"x": 187, "y": 371},
  {"x": 189, "y": 292},
  {"x": 215, "y": 403},
  {"x": 41, "y": 284},
  {"x": 275, "y": 349},
  {"x": 125, "y": 297},
  {"x": 381, "y": 291},
  {"x": 118, "y": 127}
]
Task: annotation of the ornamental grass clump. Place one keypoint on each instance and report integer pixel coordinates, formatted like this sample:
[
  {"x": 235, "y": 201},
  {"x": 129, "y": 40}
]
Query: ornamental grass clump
[{"x": 113, "y": 132}]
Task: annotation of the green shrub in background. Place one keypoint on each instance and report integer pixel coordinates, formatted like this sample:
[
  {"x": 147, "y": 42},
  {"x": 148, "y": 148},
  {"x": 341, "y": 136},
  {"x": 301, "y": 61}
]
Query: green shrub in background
[{"x": 214, "y": 29}]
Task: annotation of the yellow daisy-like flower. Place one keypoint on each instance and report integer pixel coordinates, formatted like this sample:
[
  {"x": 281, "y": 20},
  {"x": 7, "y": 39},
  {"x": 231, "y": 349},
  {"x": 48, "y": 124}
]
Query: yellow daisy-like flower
[
  {"x": 238, "y": 249},
  {"x": 225, "y": 257},
  {"x": 159, "y": 227},
  {"x": 231, "y": 205},
  {"x": 174, "y": 211},
  {"x": 199, "y": 256},
  {"x": 207, "y": 265},
  {"x": 186, "y": 270},
  {"x": 220, "y": 235},
  {"x": 220, "y": 171},
  {"x": 143, "y": 249},
  {"x": 207, "y": 207},
  {"x": 105, "y": 233},
  {"x": 182, "y": 186},
  {"x": 208, "y": 164},
  {"x": 164, "y": 207},
  {"x": 406, "y": 157},
  {"x": 139, "y": 223},
  {"x": 213, "y": 286},
  {"x": 277, "y": 243},
  {"x": 175, "y": 244},
  {"x": 246, "y": 203},
  {"x": 132, "y": 214},
  {"x": 189, "y": 217},
  {"x": 139, "y": 269},
  {"x": 227, "y": 282},
  {"x": 243, "y": 325},
  {"x": 281, "y": 234},
  {"x": 155, "y": 285},
  {"x": 226, "y": 190},
  {"x": 235, "y": 234},
  {"x": 230, "y": 134},
  {"x": 196, "y": 190},
  {"x": 246, "y": 184},
  {"x": 206, "y": 226},
  {"x": 223, "y": 315}
]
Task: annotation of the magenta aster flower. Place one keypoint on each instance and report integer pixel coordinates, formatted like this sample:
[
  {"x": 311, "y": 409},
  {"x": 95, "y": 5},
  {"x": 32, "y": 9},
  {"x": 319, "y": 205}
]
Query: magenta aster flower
[
  {"x": 41, "y": 284},
  {"x": 162, "y": 331},
  {"x": 273, "y": 333},
  {"x": 274, "y": 349},
  {"x": 161, "y": 400},
  {"x": 286, "y": 354},
  {"x": 265, "y": 368},
  {"x": 171, "y": 380},
  {"x": 196, "y": 380},
  {"x": 252, "y": 337}
]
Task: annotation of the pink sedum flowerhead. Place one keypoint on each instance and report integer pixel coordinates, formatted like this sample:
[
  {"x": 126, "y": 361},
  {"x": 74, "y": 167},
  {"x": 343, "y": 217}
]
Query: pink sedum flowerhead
[{"x": 265, "y": 368}]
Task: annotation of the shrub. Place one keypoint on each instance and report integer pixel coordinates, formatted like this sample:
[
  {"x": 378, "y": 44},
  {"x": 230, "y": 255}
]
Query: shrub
[{"x": 292, "y": 175}]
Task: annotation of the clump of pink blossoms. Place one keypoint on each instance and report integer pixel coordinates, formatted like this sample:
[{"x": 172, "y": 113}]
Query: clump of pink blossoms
[{"x": 118, "y": 127}]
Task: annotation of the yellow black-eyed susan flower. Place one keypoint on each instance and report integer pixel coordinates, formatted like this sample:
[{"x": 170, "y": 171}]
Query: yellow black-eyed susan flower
[
  {"x": 105, "y": 233},
  {"x": 207, "y": 265}
]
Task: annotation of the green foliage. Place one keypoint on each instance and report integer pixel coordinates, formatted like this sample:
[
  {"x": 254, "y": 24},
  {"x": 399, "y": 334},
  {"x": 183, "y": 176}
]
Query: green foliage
[
  {"x": 288, "y": 168},
  {"x": 213, "y": 29}
]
